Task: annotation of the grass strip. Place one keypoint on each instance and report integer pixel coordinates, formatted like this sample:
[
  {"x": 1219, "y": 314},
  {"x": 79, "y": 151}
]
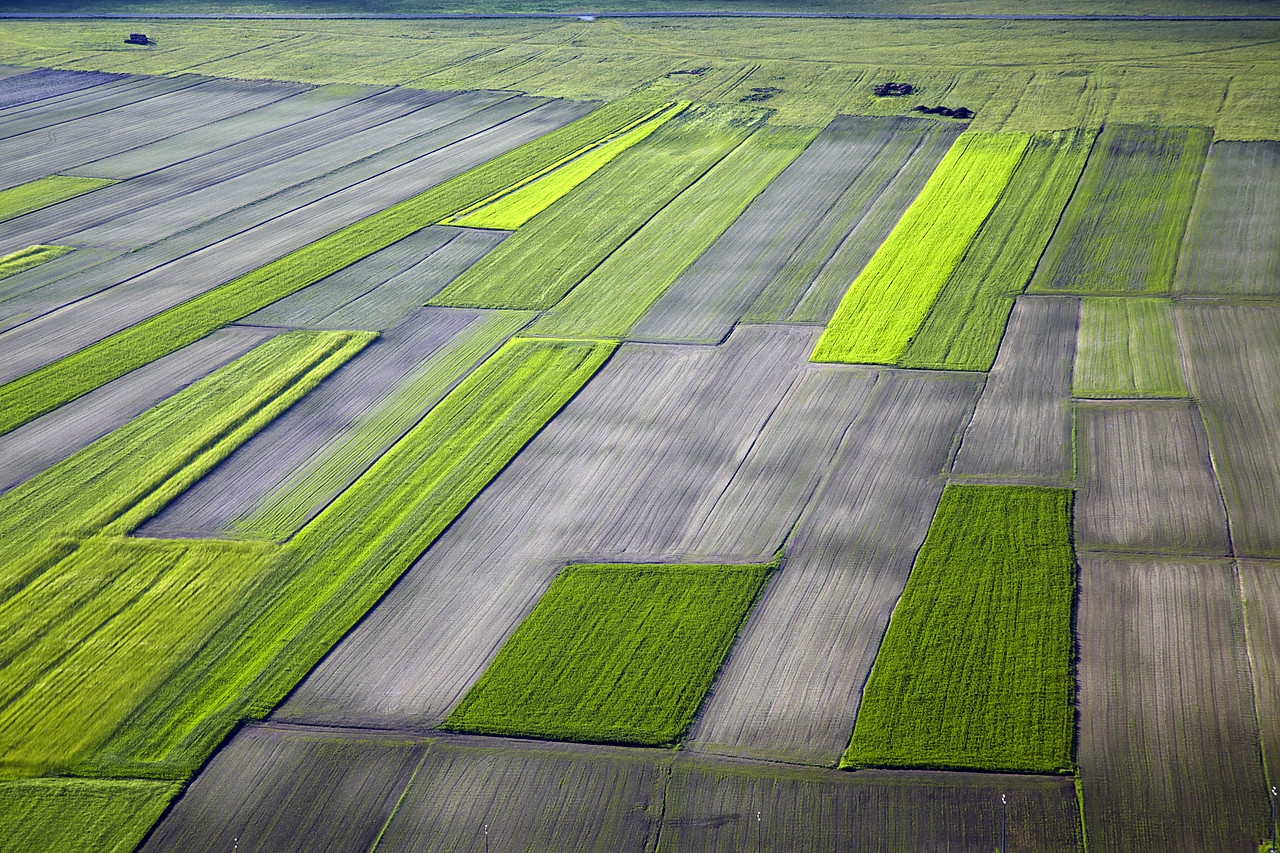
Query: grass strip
[
  {"x": 965, "y": 325},
  {"x": 614, "y": 654},
  {"x": 536, "y": 266},
  {"x": 43, "y": 390},
  {"x": 1123, "y": 229},
  {"x": 45, "y": 192},
  {"x": 32, "y": 256},
  {"x": 975, "y": 670},
  {"x": 1127, "y": 348},
  {"x": 610, "y": 301},
  {"x": 516, "y": 206},
  {"x": 341, "y": 563},
  {"x": 80, "y": 815},
  {"x": 887, "y": 303}
]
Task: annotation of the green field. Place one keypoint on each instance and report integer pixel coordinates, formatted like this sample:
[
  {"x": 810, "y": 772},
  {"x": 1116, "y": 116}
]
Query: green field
[
  {"x": 45, "y": 192},
  {"x": 614, "y": 654},
  {"x": 887, "y": 303},
  {"x": 1127, "y": 348},
  {"x": 32, "y": 256},
  {"x": 976, "y": 670}
]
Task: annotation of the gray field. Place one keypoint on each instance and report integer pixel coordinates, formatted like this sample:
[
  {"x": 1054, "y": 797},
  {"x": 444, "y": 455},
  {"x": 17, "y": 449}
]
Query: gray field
[
  {"x": 35, "y": 446},
  {"x": 1021, "y": 430},
  {"x": 86, "y": 103},
  {"x": 1232, "y": 244},
  {"x": 1146, "y": 480},
  {"x": 22, "y": 86},
  {"x": 1233, "y": 351},
  {"x": 791, "y": 687},
  {"x": 1168, "y": 743},
  {"x": 1260, "y": 586}
]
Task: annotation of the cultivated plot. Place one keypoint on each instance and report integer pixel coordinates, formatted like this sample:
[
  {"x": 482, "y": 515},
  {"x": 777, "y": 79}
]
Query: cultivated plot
[
  {"x": 1260, "y": 588},
  {"x": 44, "y": 192},
  {"x": 22, "y": 86},
  {"x": 80, "y": 815},
  {"x": 1127, "y": 347}
]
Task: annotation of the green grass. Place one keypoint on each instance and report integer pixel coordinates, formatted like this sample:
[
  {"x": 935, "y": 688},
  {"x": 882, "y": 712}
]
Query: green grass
[
  {"x": 517, "y": 206},
  {"x": 43, "y": 390},
  {"x": 614, "y": 654},
  {"x": 32, "y": 256},
  {"x": 342, "y": 562},
  {"x": 535, "y": 267},
  {"x": 1123, "y": 228},
  {"x": 975, "y": 670},
  {"x": 1127, "y": 348},
  {"x": 79, "y": 815},
  {"x": 965, "y": 325},
  {"x": 887, "y": 303},
  {"x": 618, "y": 292},
  {"x": 44, "y": 192}
]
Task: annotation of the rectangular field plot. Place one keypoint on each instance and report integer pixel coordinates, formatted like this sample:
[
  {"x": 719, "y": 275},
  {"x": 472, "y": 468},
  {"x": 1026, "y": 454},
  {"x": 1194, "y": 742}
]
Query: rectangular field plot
[
  {"x": 890, "y": 299},
  {"x": 45, "y": 192},
  {"x": 1232, "y": 245},
  {"x": 272, "y": 790},
  {"x": 1127, "y": 347},
  {"x": 32, "y": 86},
  {"x": 1260, "y": 586},
  {"x": 975, "y": 669},
  {"x": 1123, "y": 227},
  {"x": 965, "y": 324},
  {"x": 1146, "y": 480},
  {"x": 32, "y": 256},
  {"x": 1168, "y": 741},
  {"x": 1021, "y": 429},
  {"x": 613, "y": 653},
  {"x": 1232, "y": 351},
  {"x": 80, "y": 815}
]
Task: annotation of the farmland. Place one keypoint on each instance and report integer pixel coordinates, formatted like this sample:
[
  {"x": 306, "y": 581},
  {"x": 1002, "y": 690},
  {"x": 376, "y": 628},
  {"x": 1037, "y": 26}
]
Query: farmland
[{"x": 639, "y": 433}]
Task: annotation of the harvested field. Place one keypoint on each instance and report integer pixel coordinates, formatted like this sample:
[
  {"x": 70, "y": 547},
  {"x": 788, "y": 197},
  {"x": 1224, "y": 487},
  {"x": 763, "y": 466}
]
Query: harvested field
[
  {"x": 612, "y": 301},
  {"x": 90, "y": 103},
  {"x": 383, "y": 289},
  {"x": 1232, "y": 351},
  {"x": 896, "y": 156},
  {"x": 1260, "y": 587},
  {"x": 890, "y": 299},
  {"x": 44, "y": 192},
  {"x": 791, "y": 689},
  {"x": 1146, "y": 480},
  {"x": 80, "y": 815},
  {"x": 32, "y": 256},
  {"x": 29, "y": 87},
  {"x": 547, "y": 258},
  {"x": 284, "y": 475},
  {"x": 975, "y": 670},
  {"x": 1124, "y": 225},
  {"x": 1021, "y": 430},
  {"x": 1168, "y": 741},
  {"x": 966, "y": 323},
  {"x": 1232, "y": 245},
  {"x": 1127, "y": 348},
  {"x": 273, "y": 790},
  {"x": 48, "y": 440}
]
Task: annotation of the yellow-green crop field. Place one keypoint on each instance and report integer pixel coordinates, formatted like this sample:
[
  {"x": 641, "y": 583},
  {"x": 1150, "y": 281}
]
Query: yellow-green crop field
[{"x": 640, "y": 432}]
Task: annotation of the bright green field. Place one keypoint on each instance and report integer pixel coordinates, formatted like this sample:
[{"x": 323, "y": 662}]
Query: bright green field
[
  {"x": 79, "y": 815},
  {"x": 975, "y": 670},
  {"x": 45, "y": 192},
  {"x": 887, "y": 303},
  {"x": 614, "y": 654},
  {"x": 32, "y": 256}
]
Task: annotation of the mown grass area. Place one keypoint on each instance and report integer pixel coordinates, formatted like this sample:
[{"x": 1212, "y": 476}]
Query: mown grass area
[
  {"x": 45, "y": 389},
  {"x": 535, "y": 267},
  {"x": 614, "y": 654},
  {"x": 1127, "y": 348},
  {"x": 965, "y": 324},
  {"x": 517, "y": 206},
  {"x": 342, "y": 562},
  {"x": 888, "y": 302},
  {"x": 45, "y": 192},
  {"x": 1123, "y": 228},
  {"x": 79, "y": 815},
  {"x": 975, "y": 670},
  {"x": 617, "y": 293},
  {"x": 32, "y": 256}
]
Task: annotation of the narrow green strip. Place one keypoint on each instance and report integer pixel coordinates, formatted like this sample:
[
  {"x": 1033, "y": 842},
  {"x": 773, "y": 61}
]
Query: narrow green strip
[
  {"x": 975, "y": 671},
  {"x": 44, "y": 192},
  {"x": 32, "y": 256},
  {"x": 891, "y": 298}
]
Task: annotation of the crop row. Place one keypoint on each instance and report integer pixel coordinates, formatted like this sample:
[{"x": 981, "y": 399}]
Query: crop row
[{"x": 44, "y": 192}]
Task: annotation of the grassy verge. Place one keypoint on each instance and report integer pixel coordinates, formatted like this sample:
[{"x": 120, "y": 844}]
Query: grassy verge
[
  {"x": 1127, "y": 348},
  {"x": 338, "y": 566},
  {"x": 975, "y": 670},
  {"x": 614, "y": 653},
  {"x": 965, "y": 325},
  {"x": 617, "y": 293},
  {"x": 887, "y": 303},
  {"x": 32, "y": 256},
  {"x": 44, "y": 192},
  {"x": 79, "y": 815},
  {"x": 515, "y": 207},
  {"x": 45, "y": 389}
]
